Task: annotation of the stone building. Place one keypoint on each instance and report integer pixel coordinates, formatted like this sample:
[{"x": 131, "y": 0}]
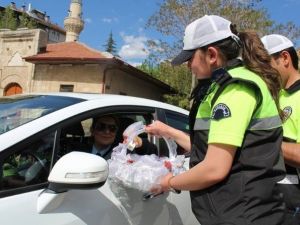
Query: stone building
[
  {"x": 73, "y": 22},
  {"x": 15, "y": 73},
  {"x": 74, "y": 67},
  {"x": 35, "y": 60},
  {"x": 54, "y": 32}
]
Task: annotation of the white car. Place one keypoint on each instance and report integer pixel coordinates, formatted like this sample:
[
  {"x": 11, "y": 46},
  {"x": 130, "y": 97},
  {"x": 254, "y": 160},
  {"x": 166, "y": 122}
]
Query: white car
[{"x": 45, "y": 180}]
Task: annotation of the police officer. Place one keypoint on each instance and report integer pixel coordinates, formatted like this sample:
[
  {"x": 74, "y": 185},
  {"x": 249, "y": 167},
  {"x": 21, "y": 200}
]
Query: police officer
[
  {"x": 236, "y": 131},
  {"x": 285, "y": 60}
]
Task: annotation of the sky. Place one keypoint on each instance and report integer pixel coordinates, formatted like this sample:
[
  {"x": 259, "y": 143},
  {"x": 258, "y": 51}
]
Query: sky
[{"x": 126, "y": 20}]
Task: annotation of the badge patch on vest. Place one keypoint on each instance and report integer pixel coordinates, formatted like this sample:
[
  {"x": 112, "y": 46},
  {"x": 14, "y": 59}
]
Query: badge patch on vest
[
  {"x": 287, "y": 112},
  {"x": 220, "y": 111}
]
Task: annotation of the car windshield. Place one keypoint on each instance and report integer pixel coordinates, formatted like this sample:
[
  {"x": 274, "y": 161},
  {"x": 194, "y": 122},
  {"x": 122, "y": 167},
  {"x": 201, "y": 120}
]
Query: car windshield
[{"x": 18, "y": 110}]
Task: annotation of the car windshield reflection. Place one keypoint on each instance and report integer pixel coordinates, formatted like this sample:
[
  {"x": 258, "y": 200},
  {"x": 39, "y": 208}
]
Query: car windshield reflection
[{"x": 18, "y": 110}]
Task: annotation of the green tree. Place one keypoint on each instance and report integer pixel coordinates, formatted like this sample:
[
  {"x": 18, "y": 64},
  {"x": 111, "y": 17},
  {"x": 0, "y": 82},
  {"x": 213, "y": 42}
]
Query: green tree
[
  {"x": 289, "y": 29},
  {"x": 1, "y": 19},
  {"x": 179, "y": 78},
  {"x": 9, "y": 19},
  {"x": 173, "y": 16},
  {"x": 26, "y": 21},
  {"x": 110, "y": 45}
]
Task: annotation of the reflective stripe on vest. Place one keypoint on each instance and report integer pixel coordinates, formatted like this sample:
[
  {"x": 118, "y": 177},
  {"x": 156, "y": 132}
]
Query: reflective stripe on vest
[
  {"x": 265, "y": 123},
  {"x": 202, "y": 124},
  {"x": 255, "y": 124}
]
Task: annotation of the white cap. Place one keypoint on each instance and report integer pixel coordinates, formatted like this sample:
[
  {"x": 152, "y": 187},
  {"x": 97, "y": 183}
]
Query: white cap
[
  {"x": 202, "y": 32},
  {"x": 275, "y": 43}
]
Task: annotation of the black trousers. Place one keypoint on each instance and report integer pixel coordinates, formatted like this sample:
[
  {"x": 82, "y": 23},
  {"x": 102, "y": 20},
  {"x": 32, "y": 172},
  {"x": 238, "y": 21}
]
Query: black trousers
[{"x": 291, "y": 197}]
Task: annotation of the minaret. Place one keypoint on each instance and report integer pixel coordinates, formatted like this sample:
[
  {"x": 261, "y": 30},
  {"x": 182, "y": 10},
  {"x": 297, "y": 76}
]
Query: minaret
[{"x": 73, "y": 22}]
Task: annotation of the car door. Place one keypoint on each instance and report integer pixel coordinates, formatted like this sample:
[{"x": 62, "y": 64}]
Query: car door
[
  {"x": 135, "y": 207},
  {"x": 180, "y": 201},
  {"x": 26, "y": 166}
]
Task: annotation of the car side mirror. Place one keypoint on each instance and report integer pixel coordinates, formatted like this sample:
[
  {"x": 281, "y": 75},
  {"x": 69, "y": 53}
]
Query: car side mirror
[
  {"x": 78, "y": 170},
  {"x": 75, "y": 170}
]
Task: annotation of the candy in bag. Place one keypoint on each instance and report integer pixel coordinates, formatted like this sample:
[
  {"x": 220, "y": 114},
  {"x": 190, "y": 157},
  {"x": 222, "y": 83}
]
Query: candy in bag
[{"x": 142, "y": 172}]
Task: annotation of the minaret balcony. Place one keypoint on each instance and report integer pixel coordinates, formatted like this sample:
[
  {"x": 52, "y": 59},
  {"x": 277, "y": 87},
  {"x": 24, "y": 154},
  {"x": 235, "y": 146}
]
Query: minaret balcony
[{"x": 73, "y": 24}]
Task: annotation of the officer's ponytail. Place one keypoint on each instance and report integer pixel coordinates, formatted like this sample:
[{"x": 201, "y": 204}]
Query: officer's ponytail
[{"x": 257, "y": 59}]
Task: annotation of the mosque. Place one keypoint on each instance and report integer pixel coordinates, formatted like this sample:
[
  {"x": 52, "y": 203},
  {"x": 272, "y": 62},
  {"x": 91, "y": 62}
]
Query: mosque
[{"x": 52, "y": 59}]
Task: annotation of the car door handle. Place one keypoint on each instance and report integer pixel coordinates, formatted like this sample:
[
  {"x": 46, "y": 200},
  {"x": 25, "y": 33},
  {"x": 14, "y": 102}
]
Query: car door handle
[{"x": 150, "y": 195}]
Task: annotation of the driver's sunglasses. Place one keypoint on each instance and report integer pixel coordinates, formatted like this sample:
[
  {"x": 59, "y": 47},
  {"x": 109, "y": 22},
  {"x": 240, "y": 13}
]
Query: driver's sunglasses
[{"x": 102, "y": 127}]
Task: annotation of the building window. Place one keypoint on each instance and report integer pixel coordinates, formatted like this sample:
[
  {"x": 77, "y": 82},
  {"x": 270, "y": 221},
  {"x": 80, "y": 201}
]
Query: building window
[
  {"x": 122, "y": 93},
  {"x": 66, "y": 88}
]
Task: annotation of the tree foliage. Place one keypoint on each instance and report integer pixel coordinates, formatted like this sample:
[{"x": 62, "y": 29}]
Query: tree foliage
[
  {"x": 26, "y": 21},
  {"x": 10, "y": 19},
  {"x": 289, "y": 29},
  {"x": 110, "y": 45},
  {"x": 179, "y": 78},
  {"x": 174, "y": 15}
]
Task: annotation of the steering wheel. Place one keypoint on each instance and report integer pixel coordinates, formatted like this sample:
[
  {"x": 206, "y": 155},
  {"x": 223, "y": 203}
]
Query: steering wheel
[
  {"x": 42, "y": 162},
  {"x": 33, "y": 172}
]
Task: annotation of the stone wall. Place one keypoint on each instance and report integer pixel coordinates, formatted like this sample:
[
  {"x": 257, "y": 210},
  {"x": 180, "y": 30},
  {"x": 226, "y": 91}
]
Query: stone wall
[
  {"x": 84, "y": 78},
  {"x": 14, "y": 45},
  {"x": 120, "y": 82},
  {"x": 89, "y": 78}
]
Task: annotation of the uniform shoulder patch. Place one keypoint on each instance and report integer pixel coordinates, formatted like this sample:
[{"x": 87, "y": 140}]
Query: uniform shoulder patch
[
  {"x": 220, "y": 111},
  {"x": 287, "y": 112}
]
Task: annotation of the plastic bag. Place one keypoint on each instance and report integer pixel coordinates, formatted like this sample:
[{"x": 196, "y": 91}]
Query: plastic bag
[
  {"x": 131, "y": 132},
  {"x": 142, "y": 172}
]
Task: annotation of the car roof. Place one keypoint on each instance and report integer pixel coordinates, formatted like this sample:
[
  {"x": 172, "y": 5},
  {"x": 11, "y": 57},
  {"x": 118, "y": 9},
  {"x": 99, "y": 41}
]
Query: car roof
[
  {"x": 112, "y": 98},
  {"x": 91, "y": 102}
]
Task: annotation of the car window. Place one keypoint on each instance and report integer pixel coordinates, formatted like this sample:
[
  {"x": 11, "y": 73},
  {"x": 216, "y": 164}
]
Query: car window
[
  {"x": 178, "y": 121},
  {"x": 29, "y": 166},
  {"x": 79, "y": 136},
  {"x": 18, "y": 110}
]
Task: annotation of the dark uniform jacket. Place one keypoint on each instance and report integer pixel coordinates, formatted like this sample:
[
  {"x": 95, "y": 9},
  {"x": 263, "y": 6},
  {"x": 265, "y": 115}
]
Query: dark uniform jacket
[{"x": 249, "y": 194}]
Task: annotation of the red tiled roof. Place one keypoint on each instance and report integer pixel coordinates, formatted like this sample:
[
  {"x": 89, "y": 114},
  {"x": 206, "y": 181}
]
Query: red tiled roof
[
  {"x": 67, "y": 51},
  {"x": 75, "y": 52}
]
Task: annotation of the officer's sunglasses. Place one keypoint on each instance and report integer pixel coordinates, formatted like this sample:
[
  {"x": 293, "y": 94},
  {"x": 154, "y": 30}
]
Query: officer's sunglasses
[{"x": 102, "y": 127}]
